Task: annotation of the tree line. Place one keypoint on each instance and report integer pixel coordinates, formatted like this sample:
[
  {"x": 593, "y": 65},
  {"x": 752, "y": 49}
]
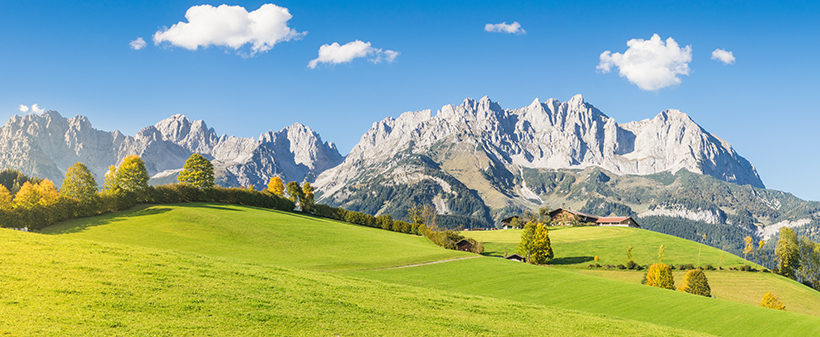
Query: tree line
[{"x": 35, "y": 203}]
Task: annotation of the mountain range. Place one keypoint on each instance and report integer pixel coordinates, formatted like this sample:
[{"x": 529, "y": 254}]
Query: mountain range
[{"x": 476, "y": 162}]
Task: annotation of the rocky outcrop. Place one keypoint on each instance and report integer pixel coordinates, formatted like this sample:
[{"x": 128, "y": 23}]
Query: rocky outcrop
[
  {"x": 551, "y": 135},
  {"x": 46, "y": 145}
]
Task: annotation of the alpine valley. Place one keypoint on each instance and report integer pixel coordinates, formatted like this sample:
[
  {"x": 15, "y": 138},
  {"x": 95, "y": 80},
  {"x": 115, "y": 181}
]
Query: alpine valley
[{"x": 475, "y": 162}]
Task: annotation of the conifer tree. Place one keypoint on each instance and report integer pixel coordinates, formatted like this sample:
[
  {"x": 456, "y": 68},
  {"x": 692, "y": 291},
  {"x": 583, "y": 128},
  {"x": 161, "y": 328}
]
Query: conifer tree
[
  {"x": 541, "y": 250},
  {"x": 660, "y": 275},
  {"x": 79, "y": 183},
  {"x": 276, "y": 187},
  {"x": 197, "y": 172},
  {"x": 527, "y": 236},
  {"x": 695, "y": 282}
]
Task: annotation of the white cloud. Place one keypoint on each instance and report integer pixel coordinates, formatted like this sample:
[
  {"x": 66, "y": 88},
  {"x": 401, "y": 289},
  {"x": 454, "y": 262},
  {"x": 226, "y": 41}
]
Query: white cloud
[
  {"x": 723, "y": 56},
  {"x": 137, "y": 44},
  {"x": 650, "y": 64},
  {"x": 232, "y": 27},
  {"x": 23, "y": 108},
  {"x": 335, "y": 53},
  {"x": 514, "y": 28},
  {"x": 36, "y": 109}
]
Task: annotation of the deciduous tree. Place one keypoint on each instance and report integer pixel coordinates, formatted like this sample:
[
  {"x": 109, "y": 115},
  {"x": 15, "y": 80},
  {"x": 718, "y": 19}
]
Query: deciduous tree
[
  {"x": 771, "y": 301},
  {"x": 747, "y": 247},
  {"x": 308, "y": 197},
  {"x": 295, "y": 192},
  {"x": 44, "y": 194},
  {"x": 197, "y": 172},
  {"x": 5, "y": 197},
  {"x": 131, "y": 175},
  {"x": 695, "y": 282},
  {"x": 660, "y": 275},
  {"x": 110, "y": 185},
  {"x": 661, "y": 254},
  {"x": 527, "y": 236},
  {"x": 788, "y": 253},
  {"x": 276, "y": 187},
  {"x": 79, "y": 183}
]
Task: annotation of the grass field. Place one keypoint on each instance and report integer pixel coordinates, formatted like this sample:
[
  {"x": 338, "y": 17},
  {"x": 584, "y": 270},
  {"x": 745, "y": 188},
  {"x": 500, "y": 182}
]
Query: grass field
[
  {"x": 174, "y": 267},
  {"x": 568, "y": 289},
  {"x": 257, "y": 235},
  {"x": 578, "y": 246},
  {"x": 60, "y": 286}
]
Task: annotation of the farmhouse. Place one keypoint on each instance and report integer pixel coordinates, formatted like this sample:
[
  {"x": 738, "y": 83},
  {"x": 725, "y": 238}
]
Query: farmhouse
[
  {"x": 464, "y": 245},
  {"x": 571, "y": 217},
  {"x": 506, "y": 223},
  {"x": 516, "y": 257}
]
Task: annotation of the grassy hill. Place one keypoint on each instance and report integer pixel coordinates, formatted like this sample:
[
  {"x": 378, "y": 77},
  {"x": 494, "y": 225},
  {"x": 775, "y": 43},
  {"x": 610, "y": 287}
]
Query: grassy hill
[
  {"x": 257, "y": 235},
  {"x": 171, "y": 266},
  {"x": 60, "y": 286},
  {"x": 575, "y": 248}
]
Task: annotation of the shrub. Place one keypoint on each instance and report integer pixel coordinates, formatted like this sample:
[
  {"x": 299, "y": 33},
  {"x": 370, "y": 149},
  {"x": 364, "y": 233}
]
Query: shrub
[
  {"x": 631, "y": 265},
  {"x": 771, "y": 301},
  {"x": 660, "y": 275},
  {"x": 621, "y": 266},
  {"x": 709, "y": 267},
  {"x": 689, "y": 266},
  {"x": 695, "y": 282}
]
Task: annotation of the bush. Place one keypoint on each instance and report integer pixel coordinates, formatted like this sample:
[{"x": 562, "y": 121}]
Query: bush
[
  {"x": 689, "y": 266},
  {"x": 709, "y": 267},
  {"x": 660, "y": 275},
  {"x": 631, "y": 265},
  {"x": 621, "y": 266},
  {"x": 695, "y": 282}
]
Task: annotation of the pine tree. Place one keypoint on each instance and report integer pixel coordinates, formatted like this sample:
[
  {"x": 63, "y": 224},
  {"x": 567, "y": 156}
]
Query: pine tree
[
  {"x": 695, "y": 282},
  {"x": 771, "y": 301},
  {"x": 660, "y": 275},
  {"x": 79, "y": 183},
  {"x": 197, "y": 172},
  {"x": 131, "y": 175},
  {"x": 276, "y": 187}
]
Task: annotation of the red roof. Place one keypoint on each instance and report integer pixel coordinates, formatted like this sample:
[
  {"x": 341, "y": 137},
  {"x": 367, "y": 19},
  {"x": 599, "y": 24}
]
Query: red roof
[{"x": 613, "y": 219}]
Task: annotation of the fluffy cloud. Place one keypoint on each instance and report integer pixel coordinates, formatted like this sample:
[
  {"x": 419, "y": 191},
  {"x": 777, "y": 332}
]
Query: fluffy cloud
[
  {"x": 137, "y": 44},
  {"x": 723, "y": 56},
  {"x": 34, "y": 108},
  {"x": 335, "y": 53},
  {"x": 232, "y": 27},
  {"x": 650, "y": 64},
  {"x": 514, "y": 28}
]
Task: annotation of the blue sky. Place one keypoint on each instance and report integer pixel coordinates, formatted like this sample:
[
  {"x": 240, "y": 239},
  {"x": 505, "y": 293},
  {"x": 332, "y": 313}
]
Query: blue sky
[{"x": 74, "y": 57}]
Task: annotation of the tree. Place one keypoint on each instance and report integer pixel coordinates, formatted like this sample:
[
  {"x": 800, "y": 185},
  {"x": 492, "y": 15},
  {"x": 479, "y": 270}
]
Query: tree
[
  {"x": 629, "y": 253},
  {"x": 276, "y": 187},
  {"x": 5, "y": 197},
  {"x": 695, "y": 282},
  {"x": 747, "y": 248},
  {"x": 44, "y": 194},
  {"x": 809, "y": 271},
  {"x": 661, "y": 254},
  {"x": 660, "y": 275},
  {"x": 295, "y": 192},
  {"x": 771, "y": 301},
  {"x": 430, "y": 215},
  {"x": 79, "y": 183},
  {"x": 131, "y": 176},
  {"x": 308, "y": 197},
  {"x": 759, "y": 253},
  {"x": 414, "y": 215},
  {"x": 527, "y": 236},
  {"x": 515, "y": 222},
  {"x": 541, "y": 251},
  {"x": 544, "y": 214},
  {"x": 788, "y": 253},
  {"x": 197, "y": 172},
  {"x": 110, "y": 184}
]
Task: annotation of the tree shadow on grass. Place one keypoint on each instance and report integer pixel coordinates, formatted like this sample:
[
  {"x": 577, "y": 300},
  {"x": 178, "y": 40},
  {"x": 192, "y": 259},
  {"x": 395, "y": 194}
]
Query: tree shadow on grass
[
  {"x": 81, "y": 224},
  {"x": 572, "y": 260}
]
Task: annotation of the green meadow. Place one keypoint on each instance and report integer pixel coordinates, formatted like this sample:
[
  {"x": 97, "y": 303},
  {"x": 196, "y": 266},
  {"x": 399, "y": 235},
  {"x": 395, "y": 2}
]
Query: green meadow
[{"x": 214, "y": 269}]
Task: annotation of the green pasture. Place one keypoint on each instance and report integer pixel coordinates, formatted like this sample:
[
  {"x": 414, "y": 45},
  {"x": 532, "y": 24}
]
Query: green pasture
[
  {"x": 61, "y": 286},
  {"x": 577, "y": 246},
  {"x": 568, "y": 289},
  {"x": 256, "y": 235}
]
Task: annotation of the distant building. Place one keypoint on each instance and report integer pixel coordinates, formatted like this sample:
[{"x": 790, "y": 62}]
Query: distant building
[
  {"x": 516, "y": 257},
  {"x": 506, "y": 223},
  {"x": 617, "y": 221},
  {"x": 464, "y": 246},
  {"x": 569, "y": 217}
]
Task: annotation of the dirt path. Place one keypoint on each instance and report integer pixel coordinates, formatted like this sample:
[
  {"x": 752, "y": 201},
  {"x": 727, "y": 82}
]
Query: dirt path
[{"x": 434, "y": 262}]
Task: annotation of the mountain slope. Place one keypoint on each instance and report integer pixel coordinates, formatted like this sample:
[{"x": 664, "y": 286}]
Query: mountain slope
[{"x": 46, "y": 145}]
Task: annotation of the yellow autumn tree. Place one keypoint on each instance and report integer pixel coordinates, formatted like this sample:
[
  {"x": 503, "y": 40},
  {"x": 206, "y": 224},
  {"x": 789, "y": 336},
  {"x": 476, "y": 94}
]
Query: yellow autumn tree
[
  {"x": 276, "y": 187},
  {"x": 44, "y": 194},
  {"x": 5, "y": 197},
  {"x": 748, "y": 246},
  {"x": 132, "y": 175},
  {"x": 197, "y": 172},
  {"x": 660, "y": 275},
  {"x": 771, "y": 301},
  {"x": 308, "y": 201},
  {"x": 79, "y": 183},
  {"x": 541, "y": 249}
]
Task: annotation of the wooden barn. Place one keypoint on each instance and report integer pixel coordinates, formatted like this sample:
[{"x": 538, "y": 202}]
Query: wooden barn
[
  {"x": 569, "y": 216},
  {"x": 516, "y": 257},
  {"x": 625, "y": 221},
  {"x": 464, "y": 246}
]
